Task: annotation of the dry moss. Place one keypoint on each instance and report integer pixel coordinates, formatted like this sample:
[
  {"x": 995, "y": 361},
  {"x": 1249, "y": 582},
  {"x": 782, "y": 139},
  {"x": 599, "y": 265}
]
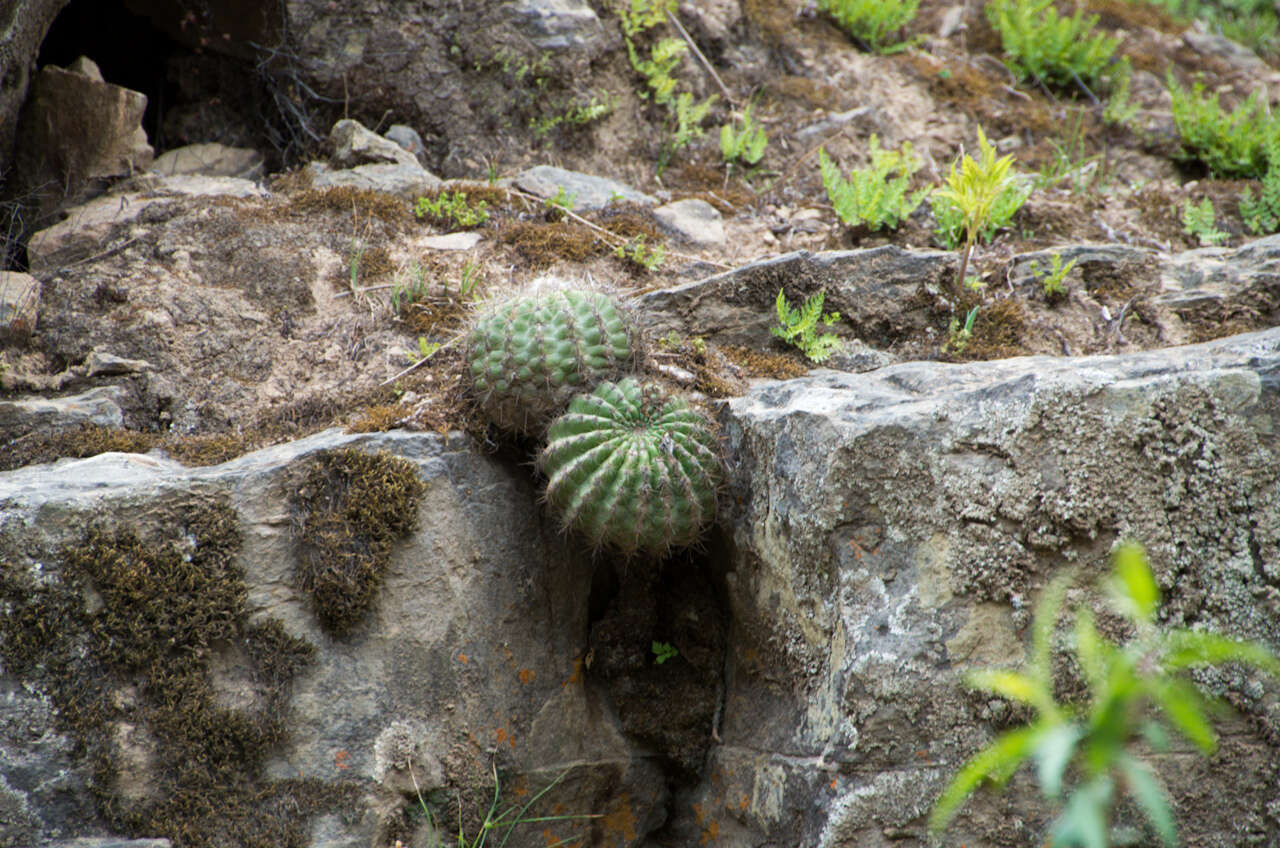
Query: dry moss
[
  {"x": 766, "y": 364},
  {"x": 542, "y": 245},
  {"x": 367, "y": 203},
  {"x": 998, "y": 329},
  {"x": 377, "y": 419},
  {"x": 350, "y": 509},
  {"x": 163, "y": 607}
]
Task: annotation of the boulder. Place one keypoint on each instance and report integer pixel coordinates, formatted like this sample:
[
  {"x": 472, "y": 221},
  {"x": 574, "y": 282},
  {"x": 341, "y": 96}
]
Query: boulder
[
  {"x": 21, "y": 416},
  {"x": 557, "y": 24},
  {"x": 352, "y": 144},
  {"x": 405, "y": 180},
  {"x": 210, "y": 160},
  {"x": 23, "y": 24},
  {"x": 696, "y": 221},
  {"x": 78, "y": 134},
  {"x": 586, "y": 191}
]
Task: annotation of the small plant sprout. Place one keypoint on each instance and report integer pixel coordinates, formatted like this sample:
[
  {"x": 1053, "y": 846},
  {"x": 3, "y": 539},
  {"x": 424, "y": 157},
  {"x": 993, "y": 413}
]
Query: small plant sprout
[
  {"x": 976, "y": 188},
  {"x": 1262, "y": 215},
  {"x": 451, "y": 211},
  {"x": 798, "y": 327},
  {"x": 958, "y": 334},
  {"x": 744, "y": 143},
  {"x": 1052, "y": 281},
  {"x": 425, "y": 350},
  {"x": 1136, "y": 692},
  {"x": 663, "y": 651},
  {"x": 560, "y": 202},
  {"x": 468, "y": 282},
  {"x": 497, "y": 821},
  {"x": 405, "y": 293},
  {"x": 877, "y": 196},
  {"x": 638, "y": 252},
  {"x": 1198, "y": 220}
]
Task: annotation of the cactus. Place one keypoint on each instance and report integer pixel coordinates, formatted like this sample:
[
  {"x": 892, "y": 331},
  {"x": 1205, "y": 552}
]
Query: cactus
[
  {"x": 632, "y": 467},
  {"x": 530, "y": 356}
]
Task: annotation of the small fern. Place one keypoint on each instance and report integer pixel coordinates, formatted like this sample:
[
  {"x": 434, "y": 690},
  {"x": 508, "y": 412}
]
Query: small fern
[
  {"x": 744, "y": 143},
  {"x": 1230, "y": 145},
  {"x": 1263, "y": 214},
  {"x": 877, "y": 196},
  {"x": 1198, "y": 220},
  {"x": 1043, "y": 45},
  {"x": 798, "y": 327},
  {"x": 872, "y": 21}
]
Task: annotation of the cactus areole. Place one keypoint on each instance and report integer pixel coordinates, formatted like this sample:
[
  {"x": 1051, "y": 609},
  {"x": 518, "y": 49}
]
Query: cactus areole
[
  {"x": 531, "y": 355},
  {"x": 632, "y": 467}
]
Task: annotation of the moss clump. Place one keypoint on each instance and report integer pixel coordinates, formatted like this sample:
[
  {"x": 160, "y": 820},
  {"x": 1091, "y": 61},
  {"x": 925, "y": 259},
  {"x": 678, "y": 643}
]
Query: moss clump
[
  {"x": 759, "y": 363},
  {"x": 77, "y": 442},
  {"x": 350, "y": 509},
  {"x": 121, "y": 642},
  {"x": 364, "y": 202},
  {"x": 542, "y": 245}
]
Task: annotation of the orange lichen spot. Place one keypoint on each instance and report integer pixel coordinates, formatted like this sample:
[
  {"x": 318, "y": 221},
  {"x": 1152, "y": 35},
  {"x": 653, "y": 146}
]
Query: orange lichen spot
[
  {"x": 833, "y": 784},
  {"x": 711, "y": 833},
  {"x": 576, "y": 677},
  {"x": 462, "y": 658},
  {"x": 698, "y": 812},
  {"x": 744, "y": 802},
  {"x": 501, "y": 733},
  {"x": 520, "y": 788},
  {"x": 622, "y": 821},
  {"x": 527, "y": 675},
  {"x": 340, "y": 760}
]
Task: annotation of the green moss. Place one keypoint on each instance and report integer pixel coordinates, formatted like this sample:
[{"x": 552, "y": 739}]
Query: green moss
[
  {"x": 351, "y": 509},
  {"x": 123, "y": 638}
]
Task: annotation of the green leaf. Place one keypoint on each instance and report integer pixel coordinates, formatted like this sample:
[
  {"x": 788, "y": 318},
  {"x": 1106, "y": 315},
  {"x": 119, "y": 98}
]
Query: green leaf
[
  {"x": 1151, "y": 796},
  {"x": 1194, "y": 648},
  {"x": 1084, "y": 821},
  {"x": 998, "y": 760},
  {"x": 1053, "y": 753},
  {"x": 1042, "y": 627},
  {"x": 1010, "y": 684},
  {"x": 1184, "y": 706},
  {"x": 1134, "y": 585},
  {"x": 1093, "y": 652}
]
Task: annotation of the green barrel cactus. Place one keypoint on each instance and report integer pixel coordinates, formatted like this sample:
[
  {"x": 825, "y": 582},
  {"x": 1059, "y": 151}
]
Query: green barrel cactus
[
  {"x": 532, "y": 354},
  {"x": 633, "y": 467}
]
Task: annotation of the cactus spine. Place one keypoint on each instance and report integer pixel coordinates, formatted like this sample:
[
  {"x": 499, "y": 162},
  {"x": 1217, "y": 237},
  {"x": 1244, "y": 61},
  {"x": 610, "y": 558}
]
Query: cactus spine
[
  {"x": 530, "y": 356},
  {"x": 632, "y": 467}
]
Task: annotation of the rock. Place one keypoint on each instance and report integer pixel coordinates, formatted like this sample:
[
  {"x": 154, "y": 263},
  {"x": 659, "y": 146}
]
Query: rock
[
  {"x": 557, "y": 24},
  {"x": 452, "y": 241},
  {"x": 588, "y": 192},
  {"x": 210, "y": 160},
  {"x": 100, "y": 363},
  {"x": 694, "y": 220},
  {"x": 713, "y": 19},
  {"x": 871, "y": 289},
  {"x": 19, "y": 303},
  {"x": 834, "y": 121},
  {"x": 101, "y": 406},
  {"x": 1248, "y": 277},
  {"x": 353, "y": 145},
  {"x": 111, "y": 842},
  {"x": 406, "y": 181},
  {"x": 408, "y": 139},
  {"x": 472, "y": 653},
  {"x": 89, "y": 226},
  {"x": 77, "y": 135},
  {"x": 896, "y": 529},
  {"x": 26, "y": 23},
  {"x": 1234, "y": 53},
  {"x": 952, "y": 21}
]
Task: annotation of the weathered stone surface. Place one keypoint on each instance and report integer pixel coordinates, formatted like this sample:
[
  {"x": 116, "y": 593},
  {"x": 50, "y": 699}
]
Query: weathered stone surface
[
  {"x": 409, "y": 139},
  {"x": 23, "y": 24},
  {"x": 352, "y": 144},
  {"x": 696, "y": 221},
  {"x": 452, "y": 241},
  {"x": 409, "y": 181},
  {"x": 96, "y": 406},
  {"x": 472, "y": 654},
  {"x": 210, "y": 160},
  {"x": 77, "y": 135},
  {"x": 557, "y": 24},
  {"x": 587, "y": 191},
  {"x": 895, "y": 530},
  {"x": 89, "y": 227}
]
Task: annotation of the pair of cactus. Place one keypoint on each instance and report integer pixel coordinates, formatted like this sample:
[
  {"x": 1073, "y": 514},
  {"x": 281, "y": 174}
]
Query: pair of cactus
[{"x": 629, "y": 465}]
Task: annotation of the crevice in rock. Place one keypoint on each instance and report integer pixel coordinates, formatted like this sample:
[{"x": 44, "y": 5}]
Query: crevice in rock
[{"x": 658, "y": 639}]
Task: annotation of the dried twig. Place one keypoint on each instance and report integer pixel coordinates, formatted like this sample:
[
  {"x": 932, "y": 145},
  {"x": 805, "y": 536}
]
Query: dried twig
[{"x": 710, "y": 70}]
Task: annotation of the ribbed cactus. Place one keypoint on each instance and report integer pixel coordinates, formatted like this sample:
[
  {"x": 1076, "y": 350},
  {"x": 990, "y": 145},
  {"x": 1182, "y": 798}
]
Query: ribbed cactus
[
  {"x": 632, "y": 467},
  {"x": 531, "y": 355}
]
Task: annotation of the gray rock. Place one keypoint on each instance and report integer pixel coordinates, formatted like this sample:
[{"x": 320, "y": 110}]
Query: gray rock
[
  {"x": 871, "y": 289},
  {"x": 352, "y": 144},
  {"x": 557, "y": 24},
  {"x": 87, "y": 228},
  {"x": 713, "y": 19},
  {"x": 896, "y": 528},
  {"x": 409, "y": 181},
  {"x": 1234, "y": 53},
  {"x": 19, "y": 304},
  {"x": 588, "y": 192},
  {"x": 210, "y": 160},
  {"x": 96, "y": 406},
  {"x": 478, "y": 634},
  {"x": 1221, "y": 277},
  {"x": 77, "y": 135},
  {"x": 694, "y": 220},
  {"x": 27, "y": 23},
  {"x": 452, "y": 241},
  {"x": 111, "y": 842},
  {"x": 408, "y": 139}
]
